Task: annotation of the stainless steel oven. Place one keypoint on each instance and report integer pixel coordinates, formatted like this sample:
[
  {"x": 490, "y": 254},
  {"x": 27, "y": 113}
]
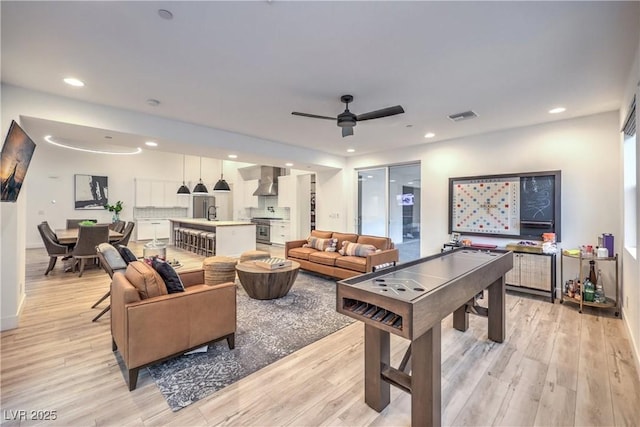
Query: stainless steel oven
[{"x": 263, "y": 230}]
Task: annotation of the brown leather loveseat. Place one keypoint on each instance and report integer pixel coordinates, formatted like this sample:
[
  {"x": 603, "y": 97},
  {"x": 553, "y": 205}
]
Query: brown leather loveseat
[
  {"x": 149, "y": 325},
  {"x": 361, "y": 253}
]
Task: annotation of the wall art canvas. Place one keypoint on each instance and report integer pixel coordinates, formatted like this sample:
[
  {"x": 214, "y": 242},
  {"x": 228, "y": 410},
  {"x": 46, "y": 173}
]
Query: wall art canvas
[
  {"x": 16, "y": 155},
  {"x": 91, "y": 191}
]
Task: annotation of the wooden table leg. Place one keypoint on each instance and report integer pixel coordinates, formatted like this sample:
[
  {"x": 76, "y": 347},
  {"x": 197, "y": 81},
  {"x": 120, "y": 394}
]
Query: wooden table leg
[
  {"x": 461, "y": 319},
  {"x": 426, "y": 388},
  {"x": 377, "y": 393},
  {"x": 497, "y": 326}
]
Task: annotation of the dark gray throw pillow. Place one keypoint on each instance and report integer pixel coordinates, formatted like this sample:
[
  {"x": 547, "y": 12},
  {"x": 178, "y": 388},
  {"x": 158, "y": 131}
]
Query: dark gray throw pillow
[
  {"x": 169, "y": 275},
  {"x": 126, "y": 254}
]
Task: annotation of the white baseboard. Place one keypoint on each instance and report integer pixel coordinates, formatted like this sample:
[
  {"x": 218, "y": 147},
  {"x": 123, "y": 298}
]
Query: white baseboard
[
  {"x": 11, "y": 322},
  {"x": 634, "y": 345}
]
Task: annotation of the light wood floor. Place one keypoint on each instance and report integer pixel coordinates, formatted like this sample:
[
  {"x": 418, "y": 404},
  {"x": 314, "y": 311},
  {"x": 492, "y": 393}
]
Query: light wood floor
[{"x": 556, "y": 367}]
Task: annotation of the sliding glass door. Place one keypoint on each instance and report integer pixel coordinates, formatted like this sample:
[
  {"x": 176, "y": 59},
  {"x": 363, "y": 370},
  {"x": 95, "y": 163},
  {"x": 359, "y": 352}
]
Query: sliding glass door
[{"x": 389, "y": 205}]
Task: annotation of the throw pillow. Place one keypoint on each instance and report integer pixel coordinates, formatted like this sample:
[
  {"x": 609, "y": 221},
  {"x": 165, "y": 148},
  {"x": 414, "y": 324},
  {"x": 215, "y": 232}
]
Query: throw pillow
[
  {"x": 126, "y": 254},
  {"x": 333, "y": 243},
  {"x": 317, "y": 243},
  {"x": 357, "y": 249},
  {"x": 169, "y": 275},
  {"x": 145, "y": 279}
]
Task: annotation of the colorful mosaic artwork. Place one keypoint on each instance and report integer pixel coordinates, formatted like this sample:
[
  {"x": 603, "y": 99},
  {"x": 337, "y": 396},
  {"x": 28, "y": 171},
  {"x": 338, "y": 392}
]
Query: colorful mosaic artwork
[{"x": 486, "y": 205}]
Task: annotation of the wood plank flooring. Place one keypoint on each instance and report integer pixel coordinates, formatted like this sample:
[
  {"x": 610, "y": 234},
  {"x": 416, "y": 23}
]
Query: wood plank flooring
[{"x": 556, "y": 367}]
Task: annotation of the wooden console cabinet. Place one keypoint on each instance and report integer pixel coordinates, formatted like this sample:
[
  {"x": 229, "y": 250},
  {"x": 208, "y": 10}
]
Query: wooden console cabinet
[{"x": 533, "y": 273}]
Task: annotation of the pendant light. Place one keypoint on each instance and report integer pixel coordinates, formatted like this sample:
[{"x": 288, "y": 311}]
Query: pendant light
[
  {"x": 200, "y": 187},
  {"x": 183, "y": 188},
  {"x": 221, "y": 186}
]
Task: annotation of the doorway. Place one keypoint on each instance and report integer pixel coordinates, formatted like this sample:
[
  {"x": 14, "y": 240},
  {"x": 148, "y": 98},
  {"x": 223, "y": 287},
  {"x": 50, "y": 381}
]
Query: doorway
[{"x": 389, "y": 205}]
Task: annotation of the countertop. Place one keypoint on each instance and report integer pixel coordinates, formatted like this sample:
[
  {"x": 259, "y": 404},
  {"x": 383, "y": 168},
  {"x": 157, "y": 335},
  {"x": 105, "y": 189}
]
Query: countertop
[{"x": 207, "y": 223}]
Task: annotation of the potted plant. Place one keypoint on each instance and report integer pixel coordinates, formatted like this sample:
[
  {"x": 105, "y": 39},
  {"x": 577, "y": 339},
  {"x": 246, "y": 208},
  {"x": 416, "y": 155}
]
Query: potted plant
[{"x": 115, "y": 209}]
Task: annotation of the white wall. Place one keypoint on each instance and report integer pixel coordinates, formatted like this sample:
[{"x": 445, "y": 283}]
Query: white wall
[
  {"x": 630, "y": 256},
  {"x": 586, "y": 150}
]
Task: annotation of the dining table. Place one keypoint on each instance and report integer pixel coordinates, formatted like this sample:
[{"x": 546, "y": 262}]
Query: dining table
[{"x": 68, "y": 236}]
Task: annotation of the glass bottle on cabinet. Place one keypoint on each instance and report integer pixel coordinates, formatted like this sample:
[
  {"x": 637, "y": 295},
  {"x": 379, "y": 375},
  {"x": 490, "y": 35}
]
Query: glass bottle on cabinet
[{"x": 600, "y": 298}]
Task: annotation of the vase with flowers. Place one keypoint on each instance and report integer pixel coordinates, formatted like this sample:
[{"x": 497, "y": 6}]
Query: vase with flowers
[{"x": 116, "y": 209}]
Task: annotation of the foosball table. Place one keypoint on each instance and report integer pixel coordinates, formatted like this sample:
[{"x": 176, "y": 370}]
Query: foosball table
[{"x": 410, "y": 300}]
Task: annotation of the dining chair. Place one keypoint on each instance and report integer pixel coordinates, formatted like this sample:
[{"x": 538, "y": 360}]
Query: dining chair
[
  {"x": 88, "y": 238},
  {"x": 126, "y": 235},
  {"x": 117, "y": 226},
  {"x": 54, "y": 249},
  {"x": 111, "y": 261},
  {"x": 75, "y": 223}
]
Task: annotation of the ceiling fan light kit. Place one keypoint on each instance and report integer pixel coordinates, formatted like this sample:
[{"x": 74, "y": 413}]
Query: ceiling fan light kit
[{"x": 347, "y": 120}]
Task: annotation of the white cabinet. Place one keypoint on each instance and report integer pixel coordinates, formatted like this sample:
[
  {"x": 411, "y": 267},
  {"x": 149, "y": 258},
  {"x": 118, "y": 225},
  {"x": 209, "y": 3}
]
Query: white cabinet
[
  {"x": 287, "y": 187},
  {"x": 160, "y": 194},
  {"x": 280, "y": 232},
  {"x": 250, "y": 201},
  {"x": 143, "y": 192},
  {"x": 146, "y": 229}
]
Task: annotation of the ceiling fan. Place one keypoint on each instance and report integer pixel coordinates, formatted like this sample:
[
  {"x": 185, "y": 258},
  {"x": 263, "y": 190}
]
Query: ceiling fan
[{"x": 347, "y": 120}]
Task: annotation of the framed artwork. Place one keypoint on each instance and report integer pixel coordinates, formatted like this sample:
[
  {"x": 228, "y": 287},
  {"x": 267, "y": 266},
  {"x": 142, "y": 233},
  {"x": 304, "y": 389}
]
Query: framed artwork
[
  {"x": 522, "y": 205},
  {"x": 91, "y": 191},
  {"x": 14, "y": 161}
]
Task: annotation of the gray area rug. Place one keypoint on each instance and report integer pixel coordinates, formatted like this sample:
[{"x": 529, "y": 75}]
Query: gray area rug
[{"x": 267, "y": 330}]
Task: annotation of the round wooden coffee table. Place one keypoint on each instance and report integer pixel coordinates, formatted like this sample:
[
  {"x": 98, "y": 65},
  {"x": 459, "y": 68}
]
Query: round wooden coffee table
[{"x": 260, "y": 283}]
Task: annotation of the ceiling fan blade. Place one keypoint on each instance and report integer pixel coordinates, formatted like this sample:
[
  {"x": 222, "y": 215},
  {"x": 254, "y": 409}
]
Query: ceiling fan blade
[
  {"x": 385, "y": 112},
  {"x": 313, "y": 116},
  {"x": 346, "y": 131}
]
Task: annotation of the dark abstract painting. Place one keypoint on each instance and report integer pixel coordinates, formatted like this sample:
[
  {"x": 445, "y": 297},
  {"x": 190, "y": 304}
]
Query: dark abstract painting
[
  {"x": 91, "y": 191},
  {"x": 14, "y": 161}
]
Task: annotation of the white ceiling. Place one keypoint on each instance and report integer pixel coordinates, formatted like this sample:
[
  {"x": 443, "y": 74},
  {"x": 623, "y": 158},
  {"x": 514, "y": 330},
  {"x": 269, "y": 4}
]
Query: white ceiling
[{"x": 245, "y": 66}]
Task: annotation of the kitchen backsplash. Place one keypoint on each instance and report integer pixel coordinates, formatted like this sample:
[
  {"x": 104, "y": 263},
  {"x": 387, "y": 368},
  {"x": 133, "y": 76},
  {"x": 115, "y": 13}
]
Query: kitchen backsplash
[
  {"x": 269, "y": 211},
  {"x": 159, "y": 213}
]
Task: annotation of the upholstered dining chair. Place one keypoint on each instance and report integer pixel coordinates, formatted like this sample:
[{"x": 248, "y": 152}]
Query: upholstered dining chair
[
  {"x": 111, "y": 261},
  {"x": 54, "y": 249},
  {"x": 88, "y": 238},
  {"x": 126, "y": 234},
  {"x": 117, "y": 226}
]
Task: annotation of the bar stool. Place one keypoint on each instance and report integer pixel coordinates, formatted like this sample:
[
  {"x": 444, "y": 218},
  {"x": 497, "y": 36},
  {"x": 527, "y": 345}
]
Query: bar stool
[{"x": 209, "y": 244}]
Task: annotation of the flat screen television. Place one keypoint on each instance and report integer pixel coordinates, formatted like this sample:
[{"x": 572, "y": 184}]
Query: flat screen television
[
  {"x": 406, "y": 199},
  {"x": 14, "y": 161}
]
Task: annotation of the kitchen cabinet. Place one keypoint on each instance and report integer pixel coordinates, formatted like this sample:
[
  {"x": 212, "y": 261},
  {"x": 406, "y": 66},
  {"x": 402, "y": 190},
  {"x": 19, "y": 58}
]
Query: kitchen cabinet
[
  {"x": 250, "y": 201},
  {"x": 160, "y": 194},
  {"x": 533, "y": 273},
  {"x": 581, "y": 263},
  {"x": 280, "y": 232},
  {"x": 146, "y": 229},
  {"x": 287, "y": 191}
]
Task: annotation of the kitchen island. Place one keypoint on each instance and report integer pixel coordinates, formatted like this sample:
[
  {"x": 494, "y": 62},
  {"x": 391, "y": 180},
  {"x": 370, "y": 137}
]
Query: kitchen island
[{"x": 232, "y": 237}]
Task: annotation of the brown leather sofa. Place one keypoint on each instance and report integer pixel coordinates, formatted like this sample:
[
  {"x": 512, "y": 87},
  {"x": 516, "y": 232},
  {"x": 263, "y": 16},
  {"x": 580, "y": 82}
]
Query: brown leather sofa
[
  {"x": 149, "y": 325},
  {"x": 342, "y": 266}
]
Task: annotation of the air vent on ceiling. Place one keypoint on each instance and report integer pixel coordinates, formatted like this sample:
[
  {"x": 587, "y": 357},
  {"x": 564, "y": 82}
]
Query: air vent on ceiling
[{"x": 463, "y": 116}]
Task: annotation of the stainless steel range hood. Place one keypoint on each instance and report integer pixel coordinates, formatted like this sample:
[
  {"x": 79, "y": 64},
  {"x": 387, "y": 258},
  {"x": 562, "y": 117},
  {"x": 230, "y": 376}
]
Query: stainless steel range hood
[{"x": 268, "y": 183}]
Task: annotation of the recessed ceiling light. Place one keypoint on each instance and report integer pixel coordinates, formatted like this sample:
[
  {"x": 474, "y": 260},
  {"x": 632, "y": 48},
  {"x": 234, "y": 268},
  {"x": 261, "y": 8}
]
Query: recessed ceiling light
[
  {"x": 351, "y": 150},
  {"x": 151, "y": 144},
  {"x": 429, "y": 135},
  {"x": 288, "y": 164},
  {"x": 233, "y": 156},
  {"x": 153, "y": 102},
  {"x": 557, "y": 110},
  {"x": 50, "y": 140},
  {"x": 165, "y": 14},
  {"x": 74, "y": 82}
]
